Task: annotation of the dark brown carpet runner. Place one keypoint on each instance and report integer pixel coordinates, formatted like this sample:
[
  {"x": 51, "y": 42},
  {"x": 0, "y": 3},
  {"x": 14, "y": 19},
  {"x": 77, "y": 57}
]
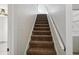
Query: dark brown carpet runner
[{"x": 41, "y": 40}]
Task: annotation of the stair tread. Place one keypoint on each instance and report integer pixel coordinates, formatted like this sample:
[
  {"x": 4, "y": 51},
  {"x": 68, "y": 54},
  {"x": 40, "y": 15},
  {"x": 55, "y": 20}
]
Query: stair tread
[
  {"x": 76, "y": 53},
  {"x": 41, "y": 27},
  {"x": 42, "y": 50},
  {"x": 41, "y": 31},
  {"x": 41, "y": 35},
  {"x": 41, "y": 20},
  {"x": 39, "y": 38},
  {"x": 44, "y": 42},
  {"x": 41, "y": 24},
  {"x": 44, "y": 25}
]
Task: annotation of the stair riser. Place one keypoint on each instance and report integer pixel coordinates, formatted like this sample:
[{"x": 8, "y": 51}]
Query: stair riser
[
  {"x": 39, "y": 53},
  {"x": 32, "y": 45},
  {"x": 41, "y": 25},
  {"x": 41, "y": 33},
  {"x": 40, "y": 17},
  {"x": 39, "y": 28},
  {"x": 41, "y": 22},
  {"x": 41, "y": 38}
]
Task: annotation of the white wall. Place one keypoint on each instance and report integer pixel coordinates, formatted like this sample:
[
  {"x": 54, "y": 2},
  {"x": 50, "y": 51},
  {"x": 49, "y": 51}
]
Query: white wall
[
  {"x": 61, "y": 15},
  {"x": 57, "y": 12},
  {"x": 42, "y": 9},
  {"x": 23, "y": 18},
  {"x": 3, "y": 28},
  {"x": 56, "y": 38},
  {"x": 76, "y": 44},
  {"x": 75, "y": 27},
  {"x": 75, "y": 20},
  {"x": 75, "y": 6},
  {"x": 3, "y": 35},
  {"x": 3, "y": 31}
]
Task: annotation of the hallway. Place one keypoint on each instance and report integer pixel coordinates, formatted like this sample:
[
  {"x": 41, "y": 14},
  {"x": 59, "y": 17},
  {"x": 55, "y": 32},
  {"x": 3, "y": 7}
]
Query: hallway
[
  {"x": 40, "y": 29},
  {"x": 35, "y": 34}
]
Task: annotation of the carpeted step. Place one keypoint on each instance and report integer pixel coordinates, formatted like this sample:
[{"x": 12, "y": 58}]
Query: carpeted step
[
  {"x": 38, "y": 32},
  {"x": 41, "y": 37},
  {"x": 41, "y": 19},
  {"x": 41, "y": 22},
  {"x": 41, "y": 51},
  {"x": 41, "y": 25},
  {"x": 41, "y": 44},
  {"x": 41, "y": 28}
]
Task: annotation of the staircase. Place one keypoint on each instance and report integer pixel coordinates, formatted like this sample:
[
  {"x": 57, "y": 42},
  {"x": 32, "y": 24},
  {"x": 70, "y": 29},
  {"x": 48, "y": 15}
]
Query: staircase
[{"x": 41, "y": 40}]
